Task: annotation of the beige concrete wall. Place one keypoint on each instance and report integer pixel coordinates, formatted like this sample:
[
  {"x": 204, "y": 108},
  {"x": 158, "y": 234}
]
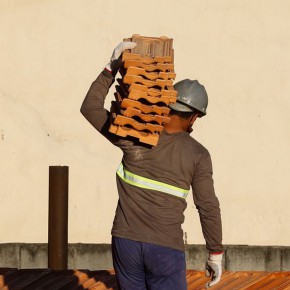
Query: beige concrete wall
[{"x": 51, "y": 51}]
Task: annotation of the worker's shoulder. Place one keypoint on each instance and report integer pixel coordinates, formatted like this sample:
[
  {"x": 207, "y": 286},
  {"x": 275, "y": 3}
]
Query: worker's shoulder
[
  {"x": 184, "y": 143},
  {"x": 188, "y": 141}
]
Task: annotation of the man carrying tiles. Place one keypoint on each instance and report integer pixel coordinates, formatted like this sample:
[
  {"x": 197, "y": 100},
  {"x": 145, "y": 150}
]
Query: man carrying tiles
[{"x": 153, "y": 182}]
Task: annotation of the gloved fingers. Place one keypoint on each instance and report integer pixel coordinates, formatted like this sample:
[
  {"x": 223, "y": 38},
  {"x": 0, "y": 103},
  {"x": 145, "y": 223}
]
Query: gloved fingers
[
  {"x": 121, "y": 47},
  {"x": 215, "y": 280},
  {"x": 115, "y": 61},
  {"x": 128, "y": 45},
  {"x": 207, "y": 271},
  {"x": 215, "y": 271}
]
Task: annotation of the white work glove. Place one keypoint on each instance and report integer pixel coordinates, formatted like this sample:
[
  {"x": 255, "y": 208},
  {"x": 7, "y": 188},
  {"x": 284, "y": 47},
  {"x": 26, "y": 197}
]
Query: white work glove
[
  {"x": 115, "y": 63},
  {"x": 213, "y": 269}
]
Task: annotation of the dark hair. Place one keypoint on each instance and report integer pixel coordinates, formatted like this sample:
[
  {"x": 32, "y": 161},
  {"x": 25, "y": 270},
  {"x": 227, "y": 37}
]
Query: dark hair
[{"x": 184, "y": 115}]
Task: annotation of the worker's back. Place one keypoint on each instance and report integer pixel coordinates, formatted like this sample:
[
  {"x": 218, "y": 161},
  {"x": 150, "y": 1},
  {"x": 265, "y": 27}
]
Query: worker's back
[{"x": 151, "y": 215}]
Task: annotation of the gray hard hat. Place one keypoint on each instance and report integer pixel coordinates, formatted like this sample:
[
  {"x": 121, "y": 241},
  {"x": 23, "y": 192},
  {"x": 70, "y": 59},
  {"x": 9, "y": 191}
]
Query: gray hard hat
[{"x": 191, "y": 95}]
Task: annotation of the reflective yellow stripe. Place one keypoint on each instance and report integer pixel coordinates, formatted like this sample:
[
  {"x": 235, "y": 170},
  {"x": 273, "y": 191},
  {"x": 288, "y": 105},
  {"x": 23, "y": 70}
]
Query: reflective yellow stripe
[{"x": 147, "y": 183}]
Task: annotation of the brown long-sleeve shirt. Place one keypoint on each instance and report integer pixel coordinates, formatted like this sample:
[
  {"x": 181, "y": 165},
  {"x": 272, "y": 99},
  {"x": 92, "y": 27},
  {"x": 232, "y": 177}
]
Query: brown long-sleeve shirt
[{"x": 152, "y": 216}]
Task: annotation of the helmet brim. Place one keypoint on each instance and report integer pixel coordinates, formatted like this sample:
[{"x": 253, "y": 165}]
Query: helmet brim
[{"x": 180, "y": 107}]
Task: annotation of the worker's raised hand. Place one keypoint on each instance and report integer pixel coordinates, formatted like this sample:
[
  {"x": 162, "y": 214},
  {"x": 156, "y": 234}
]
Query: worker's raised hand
[
  {"x": 213, "y": 269},
  {"x": 115, "y": 61},
  {"x": 122, "y": 47}
]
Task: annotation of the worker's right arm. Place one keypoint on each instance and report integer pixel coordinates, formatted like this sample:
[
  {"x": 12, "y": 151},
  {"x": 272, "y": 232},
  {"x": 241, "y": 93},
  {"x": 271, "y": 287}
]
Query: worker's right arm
[
  {"x": 209, "y": 212},
  {"x": 207, "y": 203}
]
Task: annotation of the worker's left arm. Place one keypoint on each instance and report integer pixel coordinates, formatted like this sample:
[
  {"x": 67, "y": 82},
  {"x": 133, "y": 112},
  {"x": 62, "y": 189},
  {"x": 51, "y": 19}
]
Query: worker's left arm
[
  {"x": 208, "y": 208},
  {"x": 93, "y": 105}
]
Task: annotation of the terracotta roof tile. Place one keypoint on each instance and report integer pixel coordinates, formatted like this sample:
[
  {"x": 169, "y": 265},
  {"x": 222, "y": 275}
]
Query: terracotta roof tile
[{"x": 46, "y": 279}]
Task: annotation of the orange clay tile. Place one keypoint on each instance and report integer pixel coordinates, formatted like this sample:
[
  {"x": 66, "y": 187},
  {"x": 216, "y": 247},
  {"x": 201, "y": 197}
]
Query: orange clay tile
[
  {"x": 146, "y": 60},
  {"x": 144, "y": 137},
  {"x": 129, "y": 122},
  {"x": 132, "y": 112},
  {"x": 169, "y": 91},
  {"x": 163, "y": 111},
  {"x": 164, "y": 67},
  {"x": 137, "y": 95},
  {"x": 150, "y": 75},
  {"x": 82, "y": 277},
  {"x": 152, "y": 46},
  {"x": 129, "y": 79}
]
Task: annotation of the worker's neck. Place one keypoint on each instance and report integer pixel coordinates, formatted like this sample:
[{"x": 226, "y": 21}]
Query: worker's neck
[
  {"x": 175, "y": 125},
  {"x": 171, "y": 129}
]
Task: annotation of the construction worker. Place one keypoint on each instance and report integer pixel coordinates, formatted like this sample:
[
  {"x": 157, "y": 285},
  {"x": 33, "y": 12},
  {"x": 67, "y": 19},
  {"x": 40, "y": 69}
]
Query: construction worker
[{"x": 153, "y": 181}]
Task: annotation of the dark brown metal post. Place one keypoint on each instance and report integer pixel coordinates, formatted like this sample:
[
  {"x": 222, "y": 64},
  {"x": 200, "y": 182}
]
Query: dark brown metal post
[{"x": 58, "y": 218}]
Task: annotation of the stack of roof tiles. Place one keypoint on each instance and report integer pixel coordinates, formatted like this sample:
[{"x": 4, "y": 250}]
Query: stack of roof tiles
[{"x": 145, "y": 89}]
